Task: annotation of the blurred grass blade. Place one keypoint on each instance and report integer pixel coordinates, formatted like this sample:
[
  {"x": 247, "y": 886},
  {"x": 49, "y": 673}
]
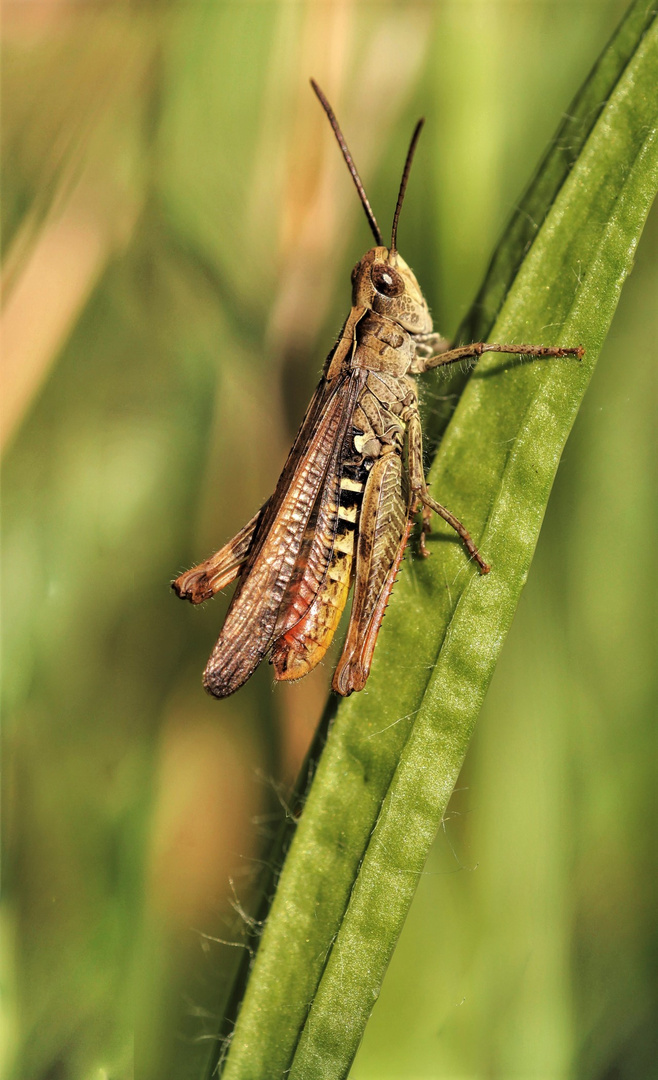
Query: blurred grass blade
[
  {"x": 395, "y": 750},
  {"x": 560, "y": 156}
]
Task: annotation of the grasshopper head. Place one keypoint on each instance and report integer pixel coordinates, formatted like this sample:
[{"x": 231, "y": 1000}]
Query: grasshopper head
[{"x": 383, "y": 281}]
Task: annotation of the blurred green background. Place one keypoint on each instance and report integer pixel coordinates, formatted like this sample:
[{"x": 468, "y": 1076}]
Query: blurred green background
[{"x": 178, "y": 235}]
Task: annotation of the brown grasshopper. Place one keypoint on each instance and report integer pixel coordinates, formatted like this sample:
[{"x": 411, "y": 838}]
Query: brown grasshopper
[{"x": 346, "y": 500}]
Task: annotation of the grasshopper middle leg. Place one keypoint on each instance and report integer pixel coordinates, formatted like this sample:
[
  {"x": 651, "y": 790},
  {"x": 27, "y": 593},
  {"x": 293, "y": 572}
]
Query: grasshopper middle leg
[{"x": 419, "y": 489}]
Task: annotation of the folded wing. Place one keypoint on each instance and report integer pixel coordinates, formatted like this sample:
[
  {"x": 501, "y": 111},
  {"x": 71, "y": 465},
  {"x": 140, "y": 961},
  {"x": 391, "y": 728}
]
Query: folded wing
[{"x": 306, "y": 486}]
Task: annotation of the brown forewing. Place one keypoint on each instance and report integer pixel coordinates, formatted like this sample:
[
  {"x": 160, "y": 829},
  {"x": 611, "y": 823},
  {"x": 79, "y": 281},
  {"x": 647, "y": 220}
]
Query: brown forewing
[{"x": 311, "y": 467}]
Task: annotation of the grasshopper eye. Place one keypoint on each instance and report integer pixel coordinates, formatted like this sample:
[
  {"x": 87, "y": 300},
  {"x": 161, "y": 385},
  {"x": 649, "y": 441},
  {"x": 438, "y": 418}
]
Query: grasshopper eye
[{"x": 386, "y": 280}]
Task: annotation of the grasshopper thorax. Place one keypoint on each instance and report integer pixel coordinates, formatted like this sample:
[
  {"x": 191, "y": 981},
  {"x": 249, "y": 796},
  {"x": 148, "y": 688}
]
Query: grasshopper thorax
[{"x": 383, "y": 282}]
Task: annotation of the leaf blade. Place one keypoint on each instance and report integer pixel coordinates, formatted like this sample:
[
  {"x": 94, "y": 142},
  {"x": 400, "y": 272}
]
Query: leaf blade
[{"x": 361, "y": 914}]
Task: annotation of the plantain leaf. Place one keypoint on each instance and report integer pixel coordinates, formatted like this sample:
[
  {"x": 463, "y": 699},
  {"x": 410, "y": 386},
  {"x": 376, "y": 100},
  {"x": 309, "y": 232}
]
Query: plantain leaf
[{"x": 395, "y": 750}]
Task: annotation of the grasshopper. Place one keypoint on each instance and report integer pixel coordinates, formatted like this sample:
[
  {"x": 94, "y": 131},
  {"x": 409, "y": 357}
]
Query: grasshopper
[{"x": 345, "y": 503}]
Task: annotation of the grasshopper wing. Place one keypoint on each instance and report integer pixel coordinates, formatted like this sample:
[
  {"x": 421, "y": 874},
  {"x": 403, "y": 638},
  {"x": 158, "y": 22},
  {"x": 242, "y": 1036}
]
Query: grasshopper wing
[{"x": 255, "y": 613}]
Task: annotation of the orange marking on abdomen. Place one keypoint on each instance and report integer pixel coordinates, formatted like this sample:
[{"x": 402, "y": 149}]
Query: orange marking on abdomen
[{"x": 299, "y": 650}]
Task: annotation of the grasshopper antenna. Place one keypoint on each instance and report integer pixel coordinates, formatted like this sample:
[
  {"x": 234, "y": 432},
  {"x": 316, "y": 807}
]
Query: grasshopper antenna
[
  {"x": 403, "y": 183},
  {"x": 372, "y": 220}
]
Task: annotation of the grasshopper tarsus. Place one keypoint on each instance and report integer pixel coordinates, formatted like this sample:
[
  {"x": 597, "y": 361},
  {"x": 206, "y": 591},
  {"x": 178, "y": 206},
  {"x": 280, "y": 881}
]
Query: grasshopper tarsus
[
  {"x": 193, "y": 587},
  {"x": 347, "y": 498}
]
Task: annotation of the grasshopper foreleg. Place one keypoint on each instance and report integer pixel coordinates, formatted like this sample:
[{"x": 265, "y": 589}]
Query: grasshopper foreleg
[{"x": 468, "y": 352}]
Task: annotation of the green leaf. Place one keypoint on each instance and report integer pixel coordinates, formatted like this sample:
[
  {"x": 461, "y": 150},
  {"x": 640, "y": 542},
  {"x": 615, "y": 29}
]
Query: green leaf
[{"x": 395, "y": 750}]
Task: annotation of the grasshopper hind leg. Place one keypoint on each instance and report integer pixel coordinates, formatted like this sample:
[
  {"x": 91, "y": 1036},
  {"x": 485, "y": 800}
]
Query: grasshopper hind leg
[
  {"x": 215, "y": 573},
  {"x": 384, "y": 528}
]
